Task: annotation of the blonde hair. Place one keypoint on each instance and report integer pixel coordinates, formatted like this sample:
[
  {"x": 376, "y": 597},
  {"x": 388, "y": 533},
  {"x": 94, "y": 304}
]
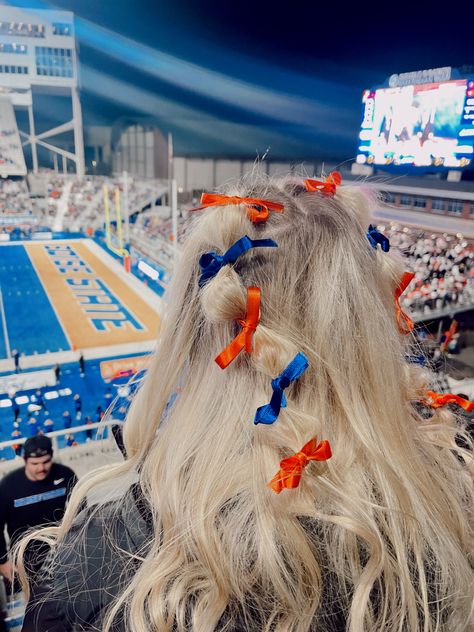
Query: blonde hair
[{"x": 381, "y": 529}]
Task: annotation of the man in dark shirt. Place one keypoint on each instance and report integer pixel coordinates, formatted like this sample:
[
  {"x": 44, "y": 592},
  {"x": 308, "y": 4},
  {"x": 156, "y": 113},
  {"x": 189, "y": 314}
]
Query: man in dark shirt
[{"x": 32, "y": 496}]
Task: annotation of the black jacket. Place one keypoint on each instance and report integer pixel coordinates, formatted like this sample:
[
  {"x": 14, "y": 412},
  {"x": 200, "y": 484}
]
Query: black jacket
[
  {"x": 83, "y": 580},
  {"x": 25, "y": 503},
  {"x": 86, "y": 579}
]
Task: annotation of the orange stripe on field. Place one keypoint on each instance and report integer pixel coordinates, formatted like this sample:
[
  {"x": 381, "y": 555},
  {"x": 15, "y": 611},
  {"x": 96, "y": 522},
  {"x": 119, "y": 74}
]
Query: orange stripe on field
[{"x": 72, "y": 311}]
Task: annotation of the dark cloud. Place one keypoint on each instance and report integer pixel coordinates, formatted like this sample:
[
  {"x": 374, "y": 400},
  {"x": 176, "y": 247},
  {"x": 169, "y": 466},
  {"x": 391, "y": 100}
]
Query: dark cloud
[{"x": 237, "y": 78}]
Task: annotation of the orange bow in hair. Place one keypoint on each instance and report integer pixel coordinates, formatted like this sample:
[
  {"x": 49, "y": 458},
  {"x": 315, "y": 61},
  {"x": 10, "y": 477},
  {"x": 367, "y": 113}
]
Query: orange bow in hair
[
  {"x": 405, "y": 323},
  {"x": 257, "y": 210},
  {"x": 328, "y": 187},
  {"x": 291, "y": 469},
  {"x": 249, "y": 325},
  {"x": 437, "y": 400}
]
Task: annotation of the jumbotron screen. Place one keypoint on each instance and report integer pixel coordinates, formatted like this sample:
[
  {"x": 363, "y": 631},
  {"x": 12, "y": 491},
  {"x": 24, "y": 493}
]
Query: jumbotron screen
[{"x": 425, "y": 125}]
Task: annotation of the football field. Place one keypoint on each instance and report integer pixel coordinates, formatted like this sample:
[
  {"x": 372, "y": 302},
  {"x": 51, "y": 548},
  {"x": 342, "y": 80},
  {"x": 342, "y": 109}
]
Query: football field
[{"x": 69, "y": 294}]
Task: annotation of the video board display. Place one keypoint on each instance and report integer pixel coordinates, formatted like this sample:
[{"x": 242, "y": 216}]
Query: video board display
[{"x": 427, "y": 125}]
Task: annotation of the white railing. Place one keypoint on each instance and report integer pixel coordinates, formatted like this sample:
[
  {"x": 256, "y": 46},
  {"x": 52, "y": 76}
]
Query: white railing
[{"x": 82, "y": 458}]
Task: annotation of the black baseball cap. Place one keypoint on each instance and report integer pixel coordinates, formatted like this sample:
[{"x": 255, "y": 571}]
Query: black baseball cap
[{"x": 37, "y": 446}]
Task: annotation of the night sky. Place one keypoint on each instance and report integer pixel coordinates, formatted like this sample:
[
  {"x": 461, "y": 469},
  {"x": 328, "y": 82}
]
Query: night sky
[{"x": 245, "y": 78}]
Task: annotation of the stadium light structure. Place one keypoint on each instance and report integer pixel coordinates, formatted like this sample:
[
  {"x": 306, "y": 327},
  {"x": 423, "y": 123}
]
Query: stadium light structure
[
  {"x": 121, "y": 249},
  {"x": 38, "y": 54}
]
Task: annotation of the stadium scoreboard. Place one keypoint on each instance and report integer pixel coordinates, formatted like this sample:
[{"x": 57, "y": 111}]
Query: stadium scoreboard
[{"x": 419, "y": 123}]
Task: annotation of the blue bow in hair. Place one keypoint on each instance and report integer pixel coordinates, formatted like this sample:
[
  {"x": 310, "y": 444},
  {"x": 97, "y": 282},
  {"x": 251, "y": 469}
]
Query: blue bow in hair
[
  {"x": 210, "y": 262},
  {"x": 268, "y": 414},
  {"x": 416, "y": 359},
  {"x": 375, "y": 238}
]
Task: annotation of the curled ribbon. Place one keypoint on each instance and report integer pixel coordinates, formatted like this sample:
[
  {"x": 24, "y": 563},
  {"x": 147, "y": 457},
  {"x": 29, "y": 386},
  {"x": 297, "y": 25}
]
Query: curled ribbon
[
  {"x": 328, "y": 187},
  {"x": 210, "y": 262},
  {"x": 291, "y": 469},
  {"x": 249, "y": 325},
  {"x": 405, "y": 323},
  {"x": 437, "y": 400},
  {"x": 375, "y": 238},
  {"x": 268, "y": 414},
  {"x": 257, "y": 210}
]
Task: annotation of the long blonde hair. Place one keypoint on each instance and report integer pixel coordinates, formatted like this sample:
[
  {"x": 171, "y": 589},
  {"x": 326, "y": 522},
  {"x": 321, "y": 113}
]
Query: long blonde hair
[{"x": 381, "y": 529}]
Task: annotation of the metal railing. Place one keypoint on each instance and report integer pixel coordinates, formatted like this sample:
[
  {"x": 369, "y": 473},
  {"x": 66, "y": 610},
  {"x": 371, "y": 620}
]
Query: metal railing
[{"x": 83, "y": 457}]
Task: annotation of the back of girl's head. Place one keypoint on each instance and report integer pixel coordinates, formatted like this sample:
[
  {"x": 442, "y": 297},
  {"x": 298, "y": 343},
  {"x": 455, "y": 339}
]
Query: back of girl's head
[{"x": 377, "y": 532}]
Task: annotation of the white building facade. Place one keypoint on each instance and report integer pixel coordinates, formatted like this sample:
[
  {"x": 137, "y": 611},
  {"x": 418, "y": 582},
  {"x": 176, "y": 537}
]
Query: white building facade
[{"x": 38, "y": 54}]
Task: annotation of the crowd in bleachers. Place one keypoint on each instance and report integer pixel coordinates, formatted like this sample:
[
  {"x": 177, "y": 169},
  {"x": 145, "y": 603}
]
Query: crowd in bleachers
[
  {"x": 443, "y": 267},
  {"x": 443, "y": 264},
  {"x": 86, "y": 199},
  {"x": 11, "y": 153},
  {"x": 18, "y": 211},
  {"x": 78, "y": 399}
]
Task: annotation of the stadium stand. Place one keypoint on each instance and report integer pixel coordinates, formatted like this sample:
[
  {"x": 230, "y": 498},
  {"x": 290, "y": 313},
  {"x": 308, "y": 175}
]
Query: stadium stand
[{"x": 12, "y": 161}]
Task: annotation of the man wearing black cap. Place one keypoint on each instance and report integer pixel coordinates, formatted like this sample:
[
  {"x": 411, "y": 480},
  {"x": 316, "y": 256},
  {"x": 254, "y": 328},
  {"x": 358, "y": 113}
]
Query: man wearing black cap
[{"x": 32, "y": 496}]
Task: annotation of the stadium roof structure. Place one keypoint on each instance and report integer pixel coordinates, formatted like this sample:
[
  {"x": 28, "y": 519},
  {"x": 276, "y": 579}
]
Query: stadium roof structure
[{"x": 38, "y": 56}]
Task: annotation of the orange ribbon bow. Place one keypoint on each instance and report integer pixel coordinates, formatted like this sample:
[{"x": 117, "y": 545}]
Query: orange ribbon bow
[
  {"x": 328, "y": 187},
  {"x": 291, "y": 469},
  {"x": 405, "y": 323},
  {"x": 437, "y": 400},
  {"x": 257, "y": 210},
  {"x": 249, "y": 325}
]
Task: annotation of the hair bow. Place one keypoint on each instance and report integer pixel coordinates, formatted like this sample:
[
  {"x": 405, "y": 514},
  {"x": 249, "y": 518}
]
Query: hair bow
[
  {"x": 416, "y": 359},
  {"x": 257, "y": 210},
  {"x": 268, "y": 414},
  {"x": 405, "y": 323},
  {"x": 437, "y": 400},
  {"x": 328, "y": 187},
  {"x": 291, "y": 469},
  {"x": 249, "y": 325},
  {"x": 210, "y": 262},
  {"x": 375, "y": 237}
]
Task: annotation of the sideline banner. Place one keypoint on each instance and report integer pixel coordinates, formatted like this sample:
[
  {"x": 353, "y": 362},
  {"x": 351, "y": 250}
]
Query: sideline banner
[{"x": 110, "y": 368}]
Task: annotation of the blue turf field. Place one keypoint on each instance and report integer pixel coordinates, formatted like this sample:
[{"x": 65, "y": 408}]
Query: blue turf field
[{"x": 31, "y": 321}]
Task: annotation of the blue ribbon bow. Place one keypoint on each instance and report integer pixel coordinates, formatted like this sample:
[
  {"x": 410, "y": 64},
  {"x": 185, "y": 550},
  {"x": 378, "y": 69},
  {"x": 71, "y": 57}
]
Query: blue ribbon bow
[
  {"x": 416, "y": 359},
  {"x": 375, "y": 238},
  {"x": 268, "y": 414},
  {"x": 210, "y": 262}
]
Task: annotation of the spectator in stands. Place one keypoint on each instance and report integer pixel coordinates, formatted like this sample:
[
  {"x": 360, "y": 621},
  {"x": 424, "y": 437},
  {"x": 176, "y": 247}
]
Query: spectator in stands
[
  {"x": 78, "y": 405},
  {"x": 33, "y": 426},
  {"x": 16, "y": 409},
  {"x": 70, "y": 441},
  {"x": 371, "y": 530},
  {"x": 89, "y": 432},
  {"x": 99, "y": 413},
  {"x": 40, "y": 401},
  {"x": 82, "y": 365},
  {"x": 16, "y": 358},
  {"x": 32, "y": 495},
  {"x": 16, "y": 434},
  {"x": 48, "y": 425},
  {"x": 57, "y": 373},
  {"x": 67, "y": 419}
]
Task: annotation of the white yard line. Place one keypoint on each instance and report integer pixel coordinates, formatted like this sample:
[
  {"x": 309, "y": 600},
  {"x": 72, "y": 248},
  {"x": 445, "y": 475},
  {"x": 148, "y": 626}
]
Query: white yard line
[{"x": 4, "y": 326}]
